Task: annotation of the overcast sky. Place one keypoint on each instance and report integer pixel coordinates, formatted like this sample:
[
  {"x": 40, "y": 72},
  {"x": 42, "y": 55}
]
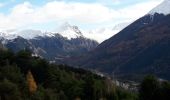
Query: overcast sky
[{"x": 87, "y": 14}]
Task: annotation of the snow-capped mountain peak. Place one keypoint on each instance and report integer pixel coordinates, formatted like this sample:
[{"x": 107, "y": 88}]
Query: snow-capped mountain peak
[
  {"x": 8, "y": 34},
  {"x": 163, "y": 8},
  {"x": 69, "y": 31},
  {"x": 66, "y": 30},
  {"x": 27, "y": 34},
  {"x": 30, "y": 34}
]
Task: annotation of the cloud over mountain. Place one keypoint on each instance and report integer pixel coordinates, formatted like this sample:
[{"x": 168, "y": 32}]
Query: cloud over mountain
[{"x": 26, "y": 13}]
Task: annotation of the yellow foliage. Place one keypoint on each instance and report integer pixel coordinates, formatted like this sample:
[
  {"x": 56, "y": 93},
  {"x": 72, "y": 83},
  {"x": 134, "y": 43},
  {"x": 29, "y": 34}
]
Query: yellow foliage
[
  {"x": 77, "y": 98},
  {"x": 31, "y": 82},
  {"x": 102, "y": 99}
]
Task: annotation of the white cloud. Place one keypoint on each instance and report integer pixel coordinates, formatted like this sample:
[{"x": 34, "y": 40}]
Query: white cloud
[
  {"x": 87, "y": 13},
  {"x": 100, "y": 34},
  {"x": 26, "y": 14},
  {"x": 137, "y": 10},
  {"x": 2, "y": 5}
]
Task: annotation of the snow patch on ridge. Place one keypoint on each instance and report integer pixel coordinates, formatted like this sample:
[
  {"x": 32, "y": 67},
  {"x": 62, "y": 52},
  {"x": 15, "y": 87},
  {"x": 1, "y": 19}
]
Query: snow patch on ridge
[{"x": 163, "y": 8}]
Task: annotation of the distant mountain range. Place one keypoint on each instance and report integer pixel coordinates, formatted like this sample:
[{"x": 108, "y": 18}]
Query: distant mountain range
[
  {"x": 65, "y": 30},
  {"x": 141, "y": 48},
  {"x": 67, "y": 43}
]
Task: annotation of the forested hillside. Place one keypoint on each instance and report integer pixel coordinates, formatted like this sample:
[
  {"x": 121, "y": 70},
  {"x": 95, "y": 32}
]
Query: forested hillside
[{"x": 24, "y": 77}]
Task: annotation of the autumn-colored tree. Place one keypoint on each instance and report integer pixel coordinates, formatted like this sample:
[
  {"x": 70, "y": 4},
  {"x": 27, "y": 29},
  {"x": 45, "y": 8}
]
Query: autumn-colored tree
[
  {"x": 31, "y": 82},
  {"x": 77, "y": 98}
]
